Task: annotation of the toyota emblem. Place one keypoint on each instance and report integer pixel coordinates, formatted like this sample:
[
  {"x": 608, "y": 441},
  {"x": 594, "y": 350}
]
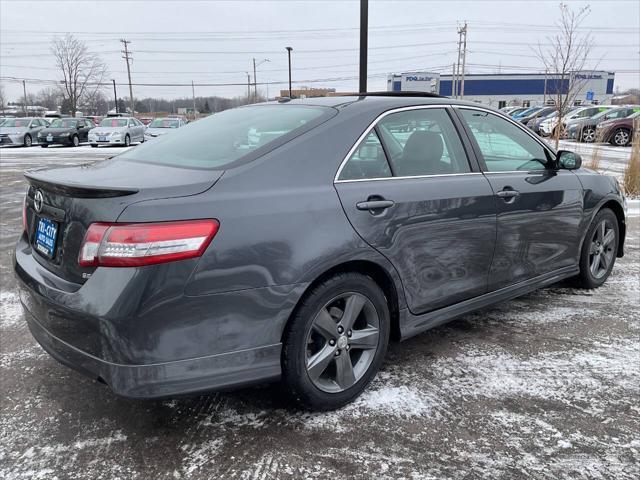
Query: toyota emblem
[{"x": 38, "y": 200}]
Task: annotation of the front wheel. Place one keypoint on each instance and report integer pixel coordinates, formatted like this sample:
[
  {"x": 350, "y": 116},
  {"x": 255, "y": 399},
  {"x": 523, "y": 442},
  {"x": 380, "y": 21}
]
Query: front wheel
[
  {"x": 599, "y": 250},
  {"x": 336, "y": 341},
  {"x": 27, "y": 140},
  {"x": 589, "y": 135},
  {"x": 127, "y": 140},
  {"x": 75, "y": 141}
]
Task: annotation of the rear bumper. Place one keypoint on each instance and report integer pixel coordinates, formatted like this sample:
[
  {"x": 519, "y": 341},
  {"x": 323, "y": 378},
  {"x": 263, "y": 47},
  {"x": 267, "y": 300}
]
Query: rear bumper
[{"x": 165, "y": 379}]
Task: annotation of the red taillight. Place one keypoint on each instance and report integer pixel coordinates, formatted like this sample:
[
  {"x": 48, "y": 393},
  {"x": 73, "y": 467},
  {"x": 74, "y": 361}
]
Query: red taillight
[{"x": 138, "y": 244}]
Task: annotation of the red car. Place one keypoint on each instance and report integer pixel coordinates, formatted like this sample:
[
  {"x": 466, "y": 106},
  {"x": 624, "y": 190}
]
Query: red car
[{"x": 618, "y": 132}]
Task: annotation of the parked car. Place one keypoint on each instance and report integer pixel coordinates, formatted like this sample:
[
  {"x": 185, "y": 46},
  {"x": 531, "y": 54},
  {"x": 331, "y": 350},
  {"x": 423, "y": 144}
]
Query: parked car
[
  {"x": 548, "y": 126},
  {"x": 146, "y": 120},
  {"x": 525, "y": 113},
  {"x": 161, "y": 126},
  {"x": 618, "y": 132},
  {"x": 65, "y": 131},
  {"x": 517, "y": 110},
  {"x": 585, "y": 130},
  {"x": 20, "y": 131},
  {"x": 186, "y": 265},
  {"x": 95, "y": 119},
  {"x": 540, "y": 112},
  {"x": 117, "y": 131}
]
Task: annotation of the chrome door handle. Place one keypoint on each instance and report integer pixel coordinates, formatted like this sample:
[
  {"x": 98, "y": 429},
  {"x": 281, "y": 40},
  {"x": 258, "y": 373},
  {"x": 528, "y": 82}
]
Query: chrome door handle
[
  {"x": 508, "y": 193},
  {"x": 375, "y": 204}
]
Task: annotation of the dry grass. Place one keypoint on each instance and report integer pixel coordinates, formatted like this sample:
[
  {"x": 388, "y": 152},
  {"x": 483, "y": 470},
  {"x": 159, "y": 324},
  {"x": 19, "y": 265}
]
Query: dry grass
[
  {"x": 594, "y": 161},
  {"x": 631, "y": 178}
]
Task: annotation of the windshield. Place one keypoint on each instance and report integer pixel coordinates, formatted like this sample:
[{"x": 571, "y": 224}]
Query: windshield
[
  {"x": 114, "y": 122},
  {"x": 16, "y": 122},
  {"x": 64, "y": 123},
  {"x": 220, "y": 139},
  {"x": 164, "y": 123}
]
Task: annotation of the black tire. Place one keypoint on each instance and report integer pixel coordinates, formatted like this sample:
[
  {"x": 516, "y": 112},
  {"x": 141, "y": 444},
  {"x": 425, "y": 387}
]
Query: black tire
[
  {"x": 127, "y": 140},
  {"x": 93, "y": 145},
  {"x": 621, "y": 137},
  {"x": 297, "y": 338},
  {"x": 75, "y": 141},
  {"x": 44, "y": 146},
  {"x": 589, "y": 277},
  {"x": 588, "y": 135},
  {"x": 28, "y": 140}
]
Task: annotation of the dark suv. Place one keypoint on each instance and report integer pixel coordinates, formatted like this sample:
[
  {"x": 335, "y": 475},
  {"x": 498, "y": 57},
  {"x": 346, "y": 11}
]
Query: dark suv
[{"x": 299, "y": 239}]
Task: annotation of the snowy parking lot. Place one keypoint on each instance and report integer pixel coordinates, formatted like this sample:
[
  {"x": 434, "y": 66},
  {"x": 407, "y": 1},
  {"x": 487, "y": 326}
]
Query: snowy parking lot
[{"x": 546, "y": 386}]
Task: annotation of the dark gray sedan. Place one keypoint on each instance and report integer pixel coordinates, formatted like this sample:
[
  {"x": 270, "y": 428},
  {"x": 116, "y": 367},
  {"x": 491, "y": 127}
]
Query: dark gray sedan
[{"x": 299, "y": 239}]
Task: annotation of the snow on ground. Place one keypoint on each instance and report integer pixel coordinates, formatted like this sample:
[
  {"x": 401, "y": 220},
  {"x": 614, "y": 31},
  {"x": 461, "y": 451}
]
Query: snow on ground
[{"x": 544, "y": 387}]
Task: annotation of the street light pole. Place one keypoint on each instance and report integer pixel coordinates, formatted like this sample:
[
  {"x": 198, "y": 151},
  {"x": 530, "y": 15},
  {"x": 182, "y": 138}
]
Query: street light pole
[
  {"x": 289, "y": 54},
  {"x": 364, "y": 27}
]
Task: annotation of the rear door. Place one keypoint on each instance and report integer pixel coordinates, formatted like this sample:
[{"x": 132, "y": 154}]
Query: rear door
[
  {"x": 539, "y": 208},
  {"x": 411, "y": 191}
]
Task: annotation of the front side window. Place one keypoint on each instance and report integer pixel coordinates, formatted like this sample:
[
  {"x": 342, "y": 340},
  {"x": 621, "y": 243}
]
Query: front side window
[
  {"x": 504, "y": 146},
  {"x": 423, "y": 142},
  {"x": 221, "y": 139},
  {"x": 367, "y": 161}
]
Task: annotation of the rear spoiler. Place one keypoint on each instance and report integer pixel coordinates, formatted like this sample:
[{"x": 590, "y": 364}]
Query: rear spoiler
[{"x": 77, "y": 190}]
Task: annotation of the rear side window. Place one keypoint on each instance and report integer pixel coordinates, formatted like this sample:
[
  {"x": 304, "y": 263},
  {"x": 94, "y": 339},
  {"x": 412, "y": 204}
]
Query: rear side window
[
  {"x": 220, "y": 139},
  {"x": 367, "y": 161}
]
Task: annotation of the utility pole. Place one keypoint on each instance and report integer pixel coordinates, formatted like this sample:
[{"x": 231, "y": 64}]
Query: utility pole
[
  {"x": 24, "y": 92},
  {"x": 464, "y": 58},
  {"x": 255, "y": 82},
  {"x": 289, "y": 53},
  {"x": 193, "y": 95},
  {"x": 453, "y": 82},
  {"x": 364, "y": 35},
  {"x": 115, "y": 94},
  {"x": 248, "y": 87},
  {"x": 128, "y": 58},
  {"x": 544, "y": 101},
  {"x": 458, "y": 61}
]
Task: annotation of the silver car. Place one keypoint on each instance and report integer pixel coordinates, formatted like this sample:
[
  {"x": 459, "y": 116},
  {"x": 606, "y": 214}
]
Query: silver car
[
  {"x": 162, "y": 126},
  {"x": 20, "y": 131},
  {"x": 117, "y": 131}
]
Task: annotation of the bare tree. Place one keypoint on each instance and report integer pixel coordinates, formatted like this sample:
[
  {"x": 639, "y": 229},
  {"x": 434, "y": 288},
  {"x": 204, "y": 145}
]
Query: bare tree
[
  {"x": 566, "y": 54},
  {"x": 83, "y": 72},
  {"x": 48, "y": 98},
  {"x": 3, "y": 100}
]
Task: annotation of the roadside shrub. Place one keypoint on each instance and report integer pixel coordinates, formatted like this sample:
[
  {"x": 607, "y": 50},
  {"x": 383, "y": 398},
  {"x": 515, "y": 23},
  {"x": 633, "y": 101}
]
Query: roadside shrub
[{"x": 631, "y": 179}]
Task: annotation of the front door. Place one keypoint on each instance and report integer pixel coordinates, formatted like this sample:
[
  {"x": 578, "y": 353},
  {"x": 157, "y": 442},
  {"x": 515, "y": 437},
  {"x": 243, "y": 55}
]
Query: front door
[
  {"x": 409, "y": 190},
  {"x": 539, "y": 207}
]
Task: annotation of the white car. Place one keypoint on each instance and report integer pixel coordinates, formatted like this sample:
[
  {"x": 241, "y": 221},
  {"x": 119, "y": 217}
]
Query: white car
[
  {"x": 162, "y": 126},
  {"x": 117, "y": 131},
  {"x": 548, "y": 126}
]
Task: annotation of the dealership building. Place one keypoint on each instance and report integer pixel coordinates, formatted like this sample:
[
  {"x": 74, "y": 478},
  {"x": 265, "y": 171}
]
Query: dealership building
[{"x": 500, "y": 90}]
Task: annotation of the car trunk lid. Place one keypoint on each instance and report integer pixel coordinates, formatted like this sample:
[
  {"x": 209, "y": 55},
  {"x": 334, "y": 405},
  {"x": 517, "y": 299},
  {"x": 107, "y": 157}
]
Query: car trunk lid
[{"x": 61, "y": 203}]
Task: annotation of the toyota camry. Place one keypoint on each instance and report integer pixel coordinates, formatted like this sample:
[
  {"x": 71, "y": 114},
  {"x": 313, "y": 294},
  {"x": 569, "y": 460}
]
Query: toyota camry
[{"x": 298, "y": 239}]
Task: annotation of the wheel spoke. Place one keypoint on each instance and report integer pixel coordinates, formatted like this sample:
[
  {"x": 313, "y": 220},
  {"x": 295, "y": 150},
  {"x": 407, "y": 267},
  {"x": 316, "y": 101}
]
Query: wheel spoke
[
  {"x": 603, "y": 261},
  {"x": 325, "y": 325},
  {"x": 345, "y": 376},
  {"x": 601, "y": 229},
  {"x": 595, "y": 263},
  {"x": 318, "y": 363},
  {"x": 609, "y": 237},
  {"x": 594, "y": 248},
  {"x": 365, "y": 339},
  {"x": 352, "y": 309}
]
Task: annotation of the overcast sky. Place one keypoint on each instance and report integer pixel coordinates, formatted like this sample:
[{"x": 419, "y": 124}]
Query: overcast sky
[{"x": 214, "y": 41}]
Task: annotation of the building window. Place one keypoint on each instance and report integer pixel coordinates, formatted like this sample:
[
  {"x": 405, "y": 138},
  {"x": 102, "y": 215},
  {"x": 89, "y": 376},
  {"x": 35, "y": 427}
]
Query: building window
[
  {"x": 526, "y": 103},
  {"x": 577, "y": 102},
  {"x": 502, "y": 104}
]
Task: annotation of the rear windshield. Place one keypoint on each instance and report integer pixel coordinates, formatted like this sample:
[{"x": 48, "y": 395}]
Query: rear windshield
[
  {"x": 114, "y": 122},
  {"x": 220, "y": 139},
  {"x": 164, "y": 123},
  {"x": 64, "y": 123}
]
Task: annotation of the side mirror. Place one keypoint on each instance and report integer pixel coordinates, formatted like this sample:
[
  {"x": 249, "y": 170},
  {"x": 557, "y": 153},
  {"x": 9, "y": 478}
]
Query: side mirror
[{"x": 568, "y": 160}]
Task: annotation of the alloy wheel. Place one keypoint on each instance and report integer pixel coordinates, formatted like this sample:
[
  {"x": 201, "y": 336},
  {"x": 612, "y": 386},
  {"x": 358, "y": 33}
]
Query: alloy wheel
[
  {"x": 342, "y": 342},
  {"x": 27, "y": 141},
  {"x": 589, "y": 135},
  {"x": 602, "y": 249},
  {"x": 621, "y": 138}
]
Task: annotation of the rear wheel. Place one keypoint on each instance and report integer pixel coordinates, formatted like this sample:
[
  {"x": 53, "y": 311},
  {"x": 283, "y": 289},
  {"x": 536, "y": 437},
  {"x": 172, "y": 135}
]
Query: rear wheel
[
  {"x": 599, "y": 250},
  {"x": 93, "y": 145},
  {"x": 44, "y": 146},
  {"x": 336, "y": 341},
  {"x": 27, "y": 140},
  {"x": 621, "y": 137}
]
